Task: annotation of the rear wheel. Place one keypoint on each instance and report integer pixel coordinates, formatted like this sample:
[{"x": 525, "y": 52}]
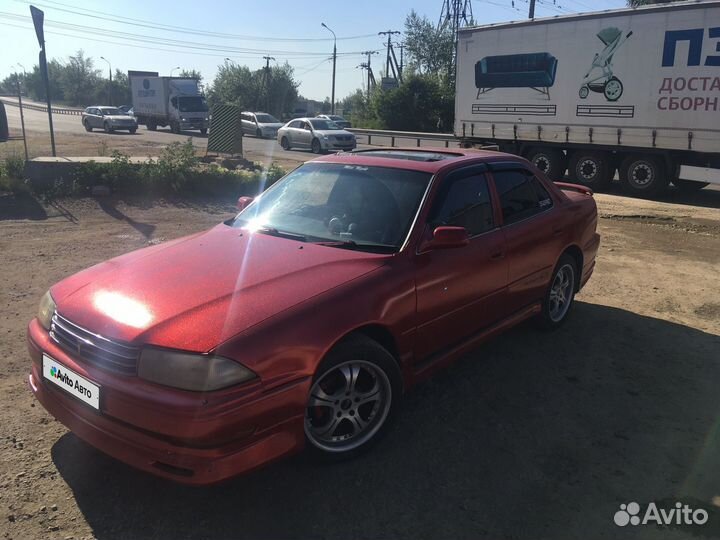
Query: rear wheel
[
  {"x": 315, "y": 146},
  {"x": 285, "y": 143},
  {"x": 151, "y": 125},
  {"x": 592, "y": 169},
  {"x": 689, "y": 186},
  {"x": 643, "y": 175},
  {"x": 551, "y": 161},
  {"x": 560, "y": 294},
  {"x": 352, "y": 398}
]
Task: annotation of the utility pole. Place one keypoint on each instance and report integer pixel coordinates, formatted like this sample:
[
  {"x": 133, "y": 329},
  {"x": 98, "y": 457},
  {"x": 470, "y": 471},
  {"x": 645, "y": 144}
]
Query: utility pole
[
  {"x": 110, "y": 78},
  {"x": 389, "y": 34},
  {"x": 401, "y": 46},
  {"x": 531, "y": 12},
  {"x": 334, "y": 59},
  {"x": 20, "y": 105},
  {"x": 267, "y": 81},
  {"x": 455, "y": 13},
  {"x": 370, "y": 76}
]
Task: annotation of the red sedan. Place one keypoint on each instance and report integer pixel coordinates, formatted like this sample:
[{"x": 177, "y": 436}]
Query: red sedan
[{"x": 302, "y": 321}]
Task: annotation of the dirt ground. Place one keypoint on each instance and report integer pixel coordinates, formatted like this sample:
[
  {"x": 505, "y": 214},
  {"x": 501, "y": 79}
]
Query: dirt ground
[{"x": 534, "y": 435}]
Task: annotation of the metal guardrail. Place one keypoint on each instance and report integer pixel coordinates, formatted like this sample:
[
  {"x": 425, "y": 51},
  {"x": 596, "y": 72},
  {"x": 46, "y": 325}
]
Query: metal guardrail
[
  {"x": 412, "y": 135},
  {"x": 43, "y": 108}
]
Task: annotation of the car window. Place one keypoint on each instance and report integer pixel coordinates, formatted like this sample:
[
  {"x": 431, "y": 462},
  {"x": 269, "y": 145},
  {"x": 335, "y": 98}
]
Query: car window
[
  {"x": 521, "y": 195},
  {"x": 464, "y": 202},
  {"x": 294, "y": 124}
]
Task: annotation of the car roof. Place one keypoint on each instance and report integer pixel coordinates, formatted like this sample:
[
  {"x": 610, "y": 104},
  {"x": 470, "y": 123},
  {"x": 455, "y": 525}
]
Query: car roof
[{"x": 429, "y": 160}]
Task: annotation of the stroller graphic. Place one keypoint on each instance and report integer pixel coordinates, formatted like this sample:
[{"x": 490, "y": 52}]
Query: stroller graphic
[{"x": 599, "y": 77}]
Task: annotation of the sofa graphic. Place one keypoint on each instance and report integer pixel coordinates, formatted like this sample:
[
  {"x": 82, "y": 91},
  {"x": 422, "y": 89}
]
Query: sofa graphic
[{"x": 527, "y": 70}]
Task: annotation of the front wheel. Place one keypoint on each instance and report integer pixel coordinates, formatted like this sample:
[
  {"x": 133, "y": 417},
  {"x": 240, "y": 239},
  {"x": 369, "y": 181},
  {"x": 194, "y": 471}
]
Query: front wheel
[
  {"x": 560, "y": 294},
  {"x": 132, "y": 131},
  {"x": 613, "y": 89},
  {"x": 352, "y": 398},
  {"x": 107, "y": 127},
  {"x": 203, "y": 131},
  {"x": 87, "y": 126},
  {"x": 151, "y": 126},
  {"x": 315, "y": 147},
  {"x": 258, "y": 134},
  {"x": 285, "y": 143}
]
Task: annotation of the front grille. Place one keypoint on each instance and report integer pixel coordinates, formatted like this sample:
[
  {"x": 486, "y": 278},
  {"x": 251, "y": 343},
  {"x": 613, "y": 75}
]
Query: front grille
[{"x": 92, "y": 348}]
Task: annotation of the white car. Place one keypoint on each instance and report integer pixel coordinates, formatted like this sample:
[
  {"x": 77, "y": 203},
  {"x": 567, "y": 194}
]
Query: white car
[
  {"x": 260, "y": 124},
  {"x": 317, "y": 134}
]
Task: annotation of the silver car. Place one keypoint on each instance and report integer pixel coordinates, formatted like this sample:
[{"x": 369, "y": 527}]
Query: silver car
[
  {"x": 260, "y": 124},
  {"x": 317, "y": 134},
  {"x": 109, "y": 119}
]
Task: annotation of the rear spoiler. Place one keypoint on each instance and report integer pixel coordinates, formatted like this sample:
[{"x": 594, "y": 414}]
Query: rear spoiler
[{"x": 574, "y": 187}]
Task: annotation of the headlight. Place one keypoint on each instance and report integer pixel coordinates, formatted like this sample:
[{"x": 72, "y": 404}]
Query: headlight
[
  {"x": 189, "y": 371},
  {"x": 207, "y": 118},
  {"x": 326, "y": 138},
  {"x": 183, "y": 119},
  {"x": 46, "y": 310}
]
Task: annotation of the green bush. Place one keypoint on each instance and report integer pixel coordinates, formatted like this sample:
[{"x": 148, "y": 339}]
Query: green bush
[
  {"x": 176, "y": 172},
  {"x": 15, "y": 167}
]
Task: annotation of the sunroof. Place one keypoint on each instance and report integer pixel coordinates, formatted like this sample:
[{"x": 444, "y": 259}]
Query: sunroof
[{"x": 409, "y": 154}]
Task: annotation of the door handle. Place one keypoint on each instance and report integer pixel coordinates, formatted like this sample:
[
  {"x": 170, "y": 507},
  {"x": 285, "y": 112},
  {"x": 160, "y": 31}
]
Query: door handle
[{"x": 498, "y": 255}]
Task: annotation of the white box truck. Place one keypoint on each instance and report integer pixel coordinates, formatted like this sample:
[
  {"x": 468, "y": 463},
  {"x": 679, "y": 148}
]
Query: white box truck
[
  {"x": 168, "y": 101},
  {"x": 633, "y": 90}
]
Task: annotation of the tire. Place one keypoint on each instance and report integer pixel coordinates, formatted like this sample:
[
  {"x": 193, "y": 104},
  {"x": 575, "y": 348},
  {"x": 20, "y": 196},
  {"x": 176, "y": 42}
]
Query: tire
[
  {"x": 258, "y": 134},
  {"x": 591, "y": 169},
  {"x": 560, "y": 294},
  {"x": 132, "y": 131},
  {"x": 689, "y": 186},
  {"x": 583, "y": 92},
  {"x": 87, "y": 126},
  {"x": 151, "y": 126},
  {"x": 175, "y": 127},
  {"x": 285, "y": 143},
  {"x": 107, "y": 127},
  {"x": 643, "y": 175},
  {"x": 613, "y": 89},
  {"x": 357, "y": 368},
  {"x": 551, "y": 161},
  {"x": 315, "y": 146},
  {"x": 203, "y": 131}
]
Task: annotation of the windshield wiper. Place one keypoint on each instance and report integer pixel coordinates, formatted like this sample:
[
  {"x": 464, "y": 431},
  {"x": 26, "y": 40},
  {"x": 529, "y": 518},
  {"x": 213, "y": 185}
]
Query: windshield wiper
[
  {"x": 351, "y": 244},
  {"x": 282, "y": 234}
]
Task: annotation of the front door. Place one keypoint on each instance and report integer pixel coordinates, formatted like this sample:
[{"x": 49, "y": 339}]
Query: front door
[{"x": 458, "y": 289}]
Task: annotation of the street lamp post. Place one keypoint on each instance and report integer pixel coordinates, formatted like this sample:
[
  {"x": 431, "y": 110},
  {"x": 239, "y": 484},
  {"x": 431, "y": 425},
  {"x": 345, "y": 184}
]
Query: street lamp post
[
  {"x": 334, "y": 62},
  {"x": 173, "y": 69},
  {"x": 109, "y": 78}
]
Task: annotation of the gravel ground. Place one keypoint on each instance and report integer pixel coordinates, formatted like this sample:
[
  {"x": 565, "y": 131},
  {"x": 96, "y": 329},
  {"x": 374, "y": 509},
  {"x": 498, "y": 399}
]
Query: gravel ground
[{"x": 534, "y": 435}]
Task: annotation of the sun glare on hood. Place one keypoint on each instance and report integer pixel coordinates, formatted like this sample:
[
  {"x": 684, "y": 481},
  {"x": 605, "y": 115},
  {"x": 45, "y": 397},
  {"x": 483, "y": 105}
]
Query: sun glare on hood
[{"x": 123, "y": 309}]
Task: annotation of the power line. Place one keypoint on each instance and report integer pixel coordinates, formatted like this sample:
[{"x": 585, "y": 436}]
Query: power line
[{"x": 170, "y": 28}]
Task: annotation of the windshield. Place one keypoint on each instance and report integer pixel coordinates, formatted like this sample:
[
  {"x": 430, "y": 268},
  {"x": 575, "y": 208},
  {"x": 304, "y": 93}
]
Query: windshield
[
  {"x": 336, "y": 118},
  {"x": 192, "y": 104},
  {"x": 266, "y": 119},
  {"x": 361, "y": 207},
  {"x": 323, "y": 124},
  {"x": 111, "y": 111}
]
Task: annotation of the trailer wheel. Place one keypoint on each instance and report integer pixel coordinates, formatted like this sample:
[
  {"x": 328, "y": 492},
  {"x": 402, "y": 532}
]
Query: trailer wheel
[
  {"x": 643, "y": 175},
  {"x": 151, "y": 125},
  {"x": 689, "y": 186},
  {"x": 592, "y": 169},
  {"x": 551, "y": 161}
]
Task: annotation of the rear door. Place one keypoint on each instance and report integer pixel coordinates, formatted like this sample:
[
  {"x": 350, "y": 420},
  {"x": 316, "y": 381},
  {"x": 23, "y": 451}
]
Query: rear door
[
  {"x": 534, "y": 235},
  {"x": 458, "y": 289}
]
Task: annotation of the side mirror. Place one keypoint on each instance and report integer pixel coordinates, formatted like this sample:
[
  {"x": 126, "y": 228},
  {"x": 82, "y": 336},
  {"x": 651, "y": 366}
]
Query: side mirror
[
  {"x": 446, "y": 237},
  {"x": 243, "y": 203}
]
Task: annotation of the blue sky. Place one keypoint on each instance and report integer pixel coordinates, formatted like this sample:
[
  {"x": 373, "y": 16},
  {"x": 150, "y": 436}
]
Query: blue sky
[{"x": 253, "y": 25}]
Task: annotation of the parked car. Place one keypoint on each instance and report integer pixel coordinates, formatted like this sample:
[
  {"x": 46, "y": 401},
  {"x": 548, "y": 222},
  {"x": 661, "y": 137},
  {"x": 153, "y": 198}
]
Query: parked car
[
  {"x": 108, "y": 118},
  {"x": 303, "y": 320},
  {"x": 317, "y": 134},
  {"x": 260, "y": 124},
  {"x": 339, "y": 120}
]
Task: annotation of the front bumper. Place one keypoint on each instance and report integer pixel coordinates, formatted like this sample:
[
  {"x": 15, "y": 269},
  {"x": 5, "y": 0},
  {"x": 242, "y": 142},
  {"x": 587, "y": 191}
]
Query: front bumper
[
  {"x": 338, "y": 145},
  {"x": 194, "y": 440},
  {"x": 193, "y": 124}
]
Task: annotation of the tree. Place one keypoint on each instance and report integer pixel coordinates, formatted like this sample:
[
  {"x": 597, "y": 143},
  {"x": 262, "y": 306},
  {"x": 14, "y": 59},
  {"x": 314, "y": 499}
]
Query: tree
[
  {"x": 637, "y": 3},
  {"x": 275, "y": 90},
  {"x": 193, "y": 73},
  {"x": 421, "y": 103},
  {"x": 79, "y": 79},
  {"x": 429, "y": 50}
]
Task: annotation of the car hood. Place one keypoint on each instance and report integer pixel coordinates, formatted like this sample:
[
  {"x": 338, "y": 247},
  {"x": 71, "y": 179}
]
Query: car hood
[
  {"x": 196, "y": 292},
  {"x": 332, "y": 132},
  {"x": 270, "y": 126}
]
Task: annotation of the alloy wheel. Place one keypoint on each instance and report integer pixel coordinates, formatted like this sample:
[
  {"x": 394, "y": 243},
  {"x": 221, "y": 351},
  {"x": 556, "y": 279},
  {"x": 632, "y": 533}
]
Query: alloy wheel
[{"x": 561, "y": 292}]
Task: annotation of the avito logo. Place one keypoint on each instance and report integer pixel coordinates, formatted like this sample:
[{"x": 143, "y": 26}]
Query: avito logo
[{"x": 682, "y": 514}]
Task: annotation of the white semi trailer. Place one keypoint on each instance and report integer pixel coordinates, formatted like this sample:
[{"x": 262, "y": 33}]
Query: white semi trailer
[
  {"x": 168, "y": 101},
  {"x": 635, "y": 91}
]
